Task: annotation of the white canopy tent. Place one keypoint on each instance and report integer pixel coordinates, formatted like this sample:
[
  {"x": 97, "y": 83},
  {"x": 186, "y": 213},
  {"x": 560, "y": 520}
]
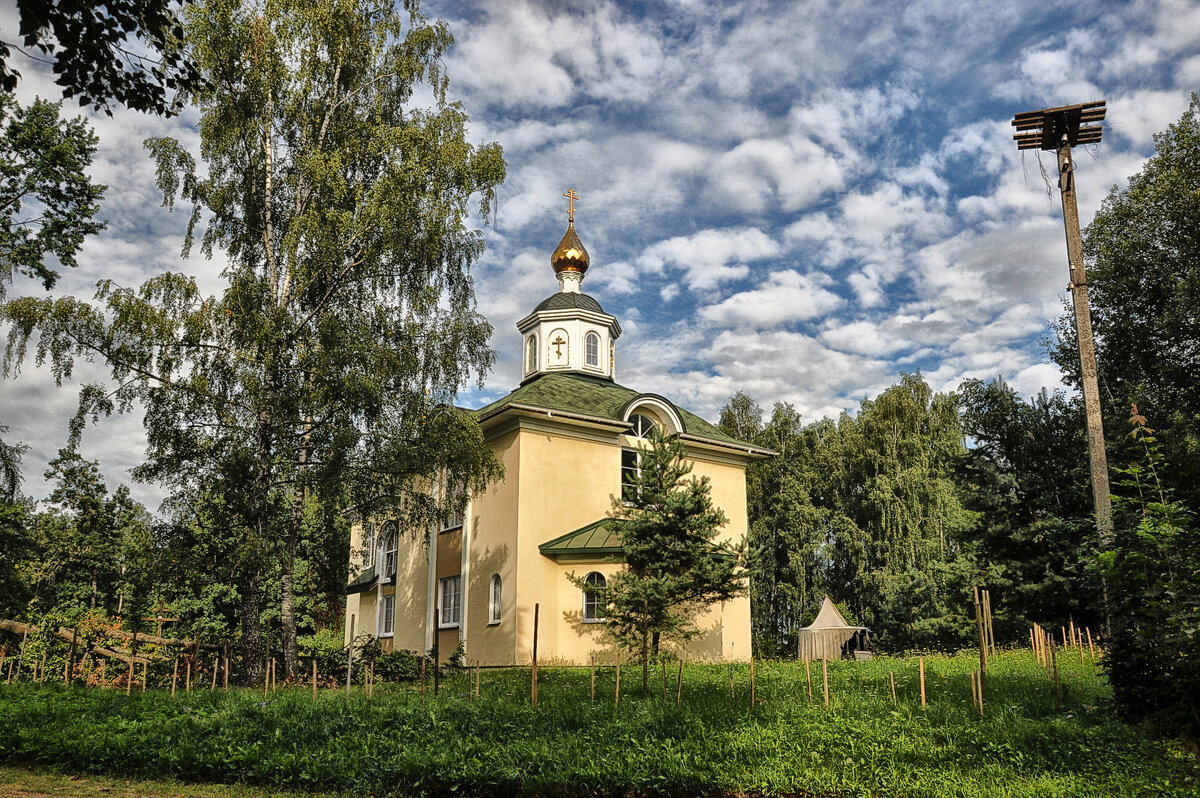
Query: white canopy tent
[{"x": 825, "y": 636}]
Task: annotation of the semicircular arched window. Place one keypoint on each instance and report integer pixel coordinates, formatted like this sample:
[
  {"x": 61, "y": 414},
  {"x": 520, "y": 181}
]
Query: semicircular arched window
[{"x": 642, "y": 425}]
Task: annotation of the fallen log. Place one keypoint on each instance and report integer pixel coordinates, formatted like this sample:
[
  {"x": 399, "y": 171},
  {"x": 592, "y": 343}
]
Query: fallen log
[{"x": 16, "y": 627}]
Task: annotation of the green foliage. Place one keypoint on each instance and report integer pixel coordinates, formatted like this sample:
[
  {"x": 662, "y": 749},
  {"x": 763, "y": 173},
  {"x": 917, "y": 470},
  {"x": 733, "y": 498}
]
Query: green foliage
[
  {"x": 864, "y": 509},
  {"x": 319, "y": 384},
  {"x": 712, "y": 744},
  {"x": 100, "y": 52},
  {"x": 1154, "y": 581},
  {"x": 47, "y": 201},
  {"x": 674, "y": 566},
  {"x": 1143, "y": 248},
  {"x": 1026, "y": 477},
  {"x": 87, "y": 547}
]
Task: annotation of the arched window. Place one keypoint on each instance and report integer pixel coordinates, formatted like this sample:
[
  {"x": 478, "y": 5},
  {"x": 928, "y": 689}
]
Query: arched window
[
  {"x": 531, "y": 354},
  {"x": 642, "y": 425},
  {"x": 495, "y": 604},
  {"x": 593, "y": 349},
  {"x": 595, "y": 597}
]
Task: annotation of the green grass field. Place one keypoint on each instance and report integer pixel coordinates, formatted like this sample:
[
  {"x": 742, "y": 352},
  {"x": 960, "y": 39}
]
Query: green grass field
[{"x": 713, "y": 743}]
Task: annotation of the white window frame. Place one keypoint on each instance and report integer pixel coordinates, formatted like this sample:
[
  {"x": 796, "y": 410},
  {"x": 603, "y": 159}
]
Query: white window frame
[
  {"x": 450, "y": 602},
  {"x": 450, "y": 489},
  {"x": 591, "y": 349},
  {"x": 627, "y": 488},
  {"x": 495, "y": 600},
  {"x": 595, "y": 596},
  {"x": 391, "y": 542},
  {"x": 531, "y": 354},
  {"x": 368, "y": 546},
  {"x": 387, "y": 616}
]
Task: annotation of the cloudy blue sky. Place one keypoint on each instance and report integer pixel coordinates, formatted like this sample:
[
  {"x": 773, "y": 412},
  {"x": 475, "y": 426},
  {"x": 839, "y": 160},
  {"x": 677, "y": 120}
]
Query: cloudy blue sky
[{"x": 796, "y": 200}]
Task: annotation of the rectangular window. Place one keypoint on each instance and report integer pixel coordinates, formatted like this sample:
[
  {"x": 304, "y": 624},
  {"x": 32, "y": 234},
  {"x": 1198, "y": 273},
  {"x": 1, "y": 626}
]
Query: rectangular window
[
  {"x": 450, "y": 603},
  {"x": 389, "y": 616},
  {"x": 629, "y": 473},
  {"x": 495, "y": 606},
  {"x": 593, "y": 349},
  {"x": 389, "y": 556},
  {"x": 368, "y": 547},
  {"x": 453, "y": 494}
]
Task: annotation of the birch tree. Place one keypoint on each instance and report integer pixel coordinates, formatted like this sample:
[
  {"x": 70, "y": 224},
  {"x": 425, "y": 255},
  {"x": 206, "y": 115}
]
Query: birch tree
[{"x": 329, "y": 363}]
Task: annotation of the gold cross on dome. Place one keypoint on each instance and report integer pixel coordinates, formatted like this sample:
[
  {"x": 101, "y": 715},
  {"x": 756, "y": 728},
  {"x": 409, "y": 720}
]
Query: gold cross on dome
[
  {"x": 571, "y": 197},
  {"x": 558, "y": 342}
]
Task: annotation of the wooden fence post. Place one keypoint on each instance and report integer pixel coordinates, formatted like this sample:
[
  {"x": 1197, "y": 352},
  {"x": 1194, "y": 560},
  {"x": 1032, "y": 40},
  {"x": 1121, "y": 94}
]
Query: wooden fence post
[
  {"x": 21, "y": 657},
  {"x": 825, "y": 680},
  {"x": 533, "y": 695},
  {"x": 892, "y": 682},
  {"x": 1057, "y": 686},
  {"x": 921, "y": 666},
  {"x": 752, "y": 685},
  {"x": 808, "y": 676},
  {"x": 679, "y": 684},
  {"x": 982, "y": 638},
  {"x": 175, "y": 676},
  {"x": 617, "y": 693},
  {"x": 350, "y": 657}
]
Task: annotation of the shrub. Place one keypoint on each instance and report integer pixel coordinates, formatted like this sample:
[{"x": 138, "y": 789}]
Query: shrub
[{"x": 1153, "y": 577}]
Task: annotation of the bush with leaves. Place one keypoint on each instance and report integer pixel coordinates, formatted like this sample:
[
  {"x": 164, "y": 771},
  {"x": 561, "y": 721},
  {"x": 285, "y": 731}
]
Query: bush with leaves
[{"x": 1153, "y": 574}]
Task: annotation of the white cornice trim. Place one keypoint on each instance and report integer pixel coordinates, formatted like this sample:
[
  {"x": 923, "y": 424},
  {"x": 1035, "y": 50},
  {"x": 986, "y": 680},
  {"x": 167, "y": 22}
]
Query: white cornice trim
[{"x": 567, "y": 314}]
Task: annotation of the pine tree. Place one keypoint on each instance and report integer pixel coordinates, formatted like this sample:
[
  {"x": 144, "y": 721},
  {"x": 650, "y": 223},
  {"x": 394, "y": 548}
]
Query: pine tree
[{"x": 674, "y": 566}]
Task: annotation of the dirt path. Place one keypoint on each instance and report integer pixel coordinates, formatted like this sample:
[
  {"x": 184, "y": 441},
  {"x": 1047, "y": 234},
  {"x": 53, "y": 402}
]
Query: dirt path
[{"x": 16, "y": 782}]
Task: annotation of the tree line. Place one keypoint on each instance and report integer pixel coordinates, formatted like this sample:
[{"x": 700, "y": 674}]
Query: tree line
[
  {"x": 899, "y": 510},
  {"x": 317, "y": 386}
]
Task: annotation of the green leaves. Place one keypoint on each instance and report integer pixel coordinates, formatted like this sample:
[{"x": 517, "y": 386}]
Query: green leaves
[
  {"x": 47, "y": 201},
  {"x": 673, "y": 565}
]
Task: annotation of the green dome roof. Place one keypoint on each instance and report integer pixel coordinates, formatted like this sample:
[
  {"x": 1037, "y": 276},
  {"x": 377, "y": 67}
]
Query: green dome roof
[{"x": 566, "y": 300}]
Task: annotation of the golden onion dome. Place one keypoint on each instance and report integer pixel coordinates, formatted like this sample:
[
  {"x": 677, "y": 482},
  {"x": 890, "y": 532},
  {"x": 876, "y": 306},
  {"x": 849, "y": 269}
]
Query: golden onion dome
[{"x": 569, "y": 255}]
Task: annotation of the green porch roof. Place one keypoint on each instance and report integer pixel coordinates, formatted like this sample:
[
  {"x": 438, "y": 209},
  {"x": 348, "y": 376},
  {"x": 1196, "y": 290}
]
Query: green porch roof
[
  {"x": 363, "y": 582},
  {"x": 599, "y": 398},
  {"x": 597, "y": 538}
]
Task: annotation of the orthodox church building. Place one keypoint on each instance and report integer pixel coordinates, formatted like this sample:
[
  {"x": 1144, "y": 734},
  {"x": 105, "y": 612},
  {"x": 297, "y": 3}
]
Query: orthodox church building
[{"x": 569, "y": 438}]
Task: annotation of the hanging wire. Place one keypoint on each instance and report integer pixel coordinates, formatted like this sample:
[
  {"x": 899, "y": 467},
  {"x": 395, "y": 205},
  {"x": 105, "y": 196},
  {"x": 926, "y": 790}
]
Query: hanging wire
[{"x": 1045, "y": 177}]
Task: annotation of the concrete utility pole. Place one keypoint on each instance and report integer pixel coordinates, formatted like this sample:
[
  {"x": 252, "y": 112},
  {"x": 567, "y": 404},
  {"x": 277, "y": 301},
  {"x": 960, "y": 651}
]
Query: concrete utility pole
[{"x": 1059, "y": 129}]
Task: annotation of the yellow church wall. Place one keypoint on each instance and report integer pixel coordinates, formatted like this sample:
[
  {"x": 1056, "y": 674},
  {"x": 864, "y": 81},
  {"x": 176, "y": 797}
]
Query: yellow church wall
[
  {"x": 566, "y": 480},
  {"x": 491, "y": 533},
  {"x": 559, "y": 477},
  {"x": 412, "y": 594},
  {"x": 727, "y": 626}
]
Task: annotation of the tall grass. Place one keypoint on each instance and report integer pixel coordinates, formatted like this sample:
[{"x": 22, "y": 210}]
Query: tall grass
[{"x": 715, "y": 742}]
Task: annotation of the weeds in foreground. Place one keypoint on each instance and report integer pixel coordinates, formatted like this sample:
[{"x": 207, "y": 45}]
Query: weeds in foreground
[{"x": 713, "y": 742}]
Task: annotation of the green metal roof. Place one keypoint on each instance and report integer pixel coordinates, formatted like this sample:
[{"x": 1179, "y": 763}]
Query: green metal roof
[
  {"x": 598, "y": 537},
  {"x": 569, "y": 300},
  {"x": 599, "y": 398}
]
